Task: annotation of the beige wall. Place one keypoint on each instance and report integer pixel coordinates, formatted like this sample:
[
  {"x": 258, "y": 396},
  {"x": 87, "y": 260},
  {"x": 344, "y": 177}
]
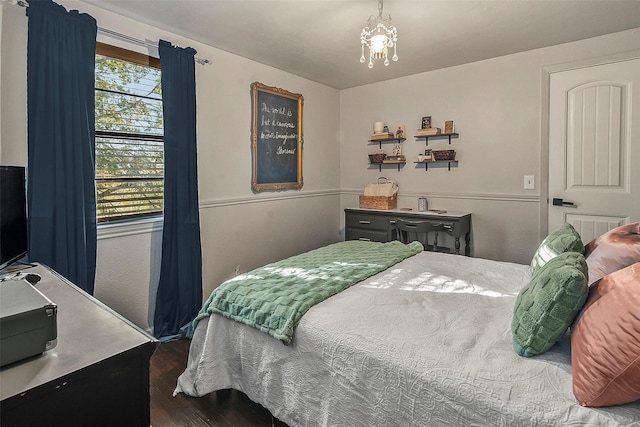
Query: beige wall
[
  {"x": 238, "y": 228},
  {"x": 13, "y": 86},
  {"x": 496, "y": 105}
]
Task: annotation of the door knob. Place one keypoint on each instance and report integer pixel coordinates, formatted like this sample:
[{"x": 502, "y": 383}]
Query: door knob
[{"x": 559, "y": 202}]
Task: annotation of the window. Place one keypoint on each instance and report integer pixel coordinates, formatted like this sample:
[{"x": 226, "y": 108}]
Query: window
[{"x": 129, "y": 135}]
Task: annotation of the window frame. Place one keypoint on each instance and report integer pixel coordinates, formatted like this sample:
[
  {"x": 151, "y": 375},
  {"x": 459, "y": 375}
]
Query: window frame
[{"x": 119, "y": 53}]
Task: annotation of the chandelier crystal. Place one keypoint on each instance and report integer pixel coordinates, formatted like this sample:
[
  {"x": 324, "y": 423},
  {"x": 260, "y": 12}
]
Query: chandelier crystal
[{"x": 379, "y": 36}]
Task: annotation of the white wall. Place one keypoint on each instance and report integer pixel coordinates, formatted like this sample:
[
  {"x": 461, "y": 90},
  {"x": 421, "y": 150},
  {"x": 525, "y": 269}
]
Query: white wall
[
  {"x": 496, "y": 105},
  {"x": 13, "y": 84},
  {"x": 238, "y": 227},
  {"x": 1, "y": 13}
]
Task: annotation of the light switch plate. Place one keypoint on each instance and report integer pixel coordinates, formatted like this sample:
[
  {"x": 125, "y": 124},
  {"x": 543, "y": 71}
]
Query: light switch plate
[{"x": 529, "y": 182}]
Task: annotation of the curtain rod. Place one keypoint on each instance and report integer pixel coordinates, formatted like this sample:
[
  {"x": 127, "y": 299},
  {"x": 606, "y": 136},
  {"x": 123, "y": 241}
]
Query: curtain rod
[{"x": 146, "y": 43}]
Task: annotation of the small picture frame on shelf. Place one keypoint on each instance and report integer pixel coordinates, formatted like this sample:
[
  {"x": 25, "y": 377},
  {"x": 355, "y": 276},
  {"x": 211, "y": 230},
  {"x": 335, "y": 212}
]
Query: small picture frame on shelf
[
  {"x": 428, "y": 154},
  {"x": 448, "y": 126},
  {"x": 400, "y": 132},
  {"x": 426, "y": 122}
]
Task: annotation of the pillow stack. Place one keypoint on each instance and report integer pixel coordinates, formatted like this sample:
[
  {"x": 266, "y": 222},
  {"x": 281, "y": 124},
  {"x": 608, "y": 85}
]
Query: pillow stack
[
  {"x": 598, "y": 295},
  {"x": 605, "y": 339},
  {"x": 546, "y": 308}
]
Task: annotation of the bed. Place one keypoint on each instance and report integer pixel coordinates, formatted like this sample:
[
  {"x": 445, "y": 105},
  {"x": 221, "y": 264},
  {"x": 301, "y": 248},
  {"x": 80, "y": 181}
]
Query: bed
[{"x": 425, "y": 342}]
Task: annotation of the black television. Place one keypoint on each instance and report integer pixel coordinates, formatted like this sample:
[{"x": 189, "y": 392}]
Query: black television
[{"x": 13, "y": 215}]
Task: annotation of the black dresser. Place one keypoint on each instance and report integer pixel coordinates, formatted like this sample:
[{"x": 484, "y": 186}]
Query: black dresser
[
  {"x": 379, "y": 225},
  {"x": 96, "y": 375}
]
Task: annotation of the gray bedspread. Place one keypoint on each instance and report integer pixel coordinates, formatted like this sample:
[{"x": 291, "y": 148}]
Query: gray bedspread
[{"x": 424, "y": 343}]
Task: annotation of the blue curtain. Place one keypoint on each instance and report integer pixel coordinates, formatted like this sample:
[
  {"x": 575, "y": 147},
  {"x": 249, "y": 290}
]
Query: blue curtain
[
  {"x": 61, "y": 51},
  {"x": 179, "y": 295}
]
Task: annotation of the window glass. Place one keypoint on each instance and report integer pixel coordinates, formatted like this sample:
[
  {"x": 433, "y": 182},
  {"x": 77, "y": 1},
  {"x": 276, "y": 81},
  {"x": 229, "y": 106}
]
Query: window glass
[{"x": 129, "y": 135}]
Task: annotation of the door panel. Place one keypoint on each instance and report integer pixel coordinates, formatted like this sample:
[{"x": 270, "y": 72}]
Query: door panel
[
  {"x": 596, "y": 116},
  {"x": 594, "y": 147},
  {"x": 590, "y": 226}
]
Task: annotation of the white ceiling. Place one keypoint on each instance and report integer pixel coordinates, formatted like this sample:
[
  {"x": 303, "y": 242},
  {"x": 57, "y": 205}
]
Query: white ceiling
[{"x": 320, "y": 40}]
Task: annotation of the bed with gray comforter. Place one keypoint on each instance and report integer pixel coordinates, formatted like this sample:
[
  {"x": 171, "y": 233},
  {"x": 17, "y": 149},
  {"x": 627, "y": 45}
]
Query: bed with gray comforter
[{"x": 426, "y": 342}]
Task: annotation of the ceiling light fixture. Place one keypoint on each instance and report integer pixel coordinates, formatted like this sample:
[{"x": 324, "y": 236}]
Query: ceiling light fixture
[{"x": 379, "y": 35}]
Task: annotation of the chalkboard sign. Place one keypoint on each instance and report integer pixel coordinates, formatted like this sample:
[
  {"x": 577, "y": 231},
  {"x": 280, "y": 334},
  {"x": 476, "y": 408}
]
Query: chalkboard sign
[{"x": 276, "y": 138}]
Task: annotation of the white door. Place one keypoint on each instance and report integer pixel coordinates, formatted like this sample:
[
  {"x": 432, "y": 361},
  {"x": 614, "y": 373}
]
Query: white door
[{"x": 594, "y": 147}]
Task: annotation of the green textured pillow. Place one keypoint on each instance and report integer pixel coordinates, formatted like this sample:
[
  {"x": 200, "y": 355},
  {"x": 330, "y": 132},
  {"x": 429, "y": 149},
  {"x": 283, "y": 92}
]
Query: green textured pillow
[
  {"x": 549, "y": 304},
  {"x": 564, "y": 239}
]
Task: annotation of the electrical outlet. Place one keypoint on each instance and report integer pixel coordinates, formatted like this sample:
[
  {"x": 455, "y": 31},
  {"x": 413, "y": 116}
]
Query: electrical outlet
[{"x": 529, "y": 182}]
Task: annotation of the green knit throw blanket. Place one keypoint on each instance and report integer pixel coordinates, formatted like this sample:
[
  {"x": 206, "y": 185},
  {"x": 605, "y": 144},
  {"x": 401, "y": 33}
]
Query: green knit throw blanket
[{"x": 274, "y": 298}]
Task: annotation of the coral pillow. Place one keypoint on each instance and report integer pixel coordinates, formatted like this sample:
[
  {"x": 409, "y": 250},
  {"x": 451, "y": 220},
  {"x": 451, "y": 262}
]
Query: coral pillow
[
  {"x": 605, "y": 341},
  {"x": 616, "y": 249},
  {"x": 564, "y": 239},
  {"x": 546, "y": 308}
]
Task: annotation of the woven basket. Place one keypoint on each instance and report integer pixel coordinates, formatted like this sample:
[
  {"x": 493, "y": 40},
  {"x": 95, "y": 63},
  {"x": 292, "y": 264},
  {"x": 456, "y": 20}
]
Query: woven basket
[
  {"x": 444, "y": 154},
  {"x": 378, "y": 202},
  {"x": 377, "y": 158}
]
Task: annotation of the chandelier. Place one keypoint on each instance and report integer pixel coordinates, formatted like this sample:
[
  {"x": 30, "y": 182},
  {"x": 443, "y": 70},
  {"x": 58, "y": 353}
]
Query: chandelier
[{"x": 379, "y": 35}]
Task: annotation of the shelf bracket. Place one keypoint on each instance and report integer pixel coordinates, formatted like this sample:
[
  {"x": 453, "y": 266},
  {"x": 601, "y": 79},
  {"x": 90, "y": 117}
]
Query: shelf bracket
[
  {"x": 380, "y": 166},
  {"x": 426, "y": 137},
  {"x": 426, "y": 164}
]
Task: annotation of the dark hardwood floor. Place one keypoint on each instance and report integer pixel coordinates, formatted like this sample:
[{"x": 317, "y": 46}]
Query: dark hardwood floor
[{"x": 224, "y": 409}]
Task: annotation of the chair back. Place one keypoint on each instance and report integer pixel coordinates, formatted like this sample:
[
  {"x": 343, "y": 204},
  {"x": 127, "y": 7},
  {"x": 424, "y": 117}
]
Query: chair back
[{"x": 411, "y": 231}]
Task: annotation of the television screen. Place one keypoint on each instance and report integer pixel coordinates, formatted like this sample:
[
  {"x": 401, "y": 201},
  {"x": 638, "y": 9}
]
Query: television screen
[{"x": 13, "y": 214}]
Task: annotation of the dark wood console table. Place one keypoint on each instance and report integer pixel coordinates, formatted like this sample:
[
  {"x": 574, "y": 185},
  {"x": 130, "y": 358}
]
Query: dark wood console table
[
  {"x": 379, "y": 225},
  {"x": 97, "y": 375}
]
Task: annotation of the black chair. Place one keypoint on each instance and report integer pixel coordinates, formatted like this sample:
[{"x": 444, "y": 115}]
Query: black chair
[{"x": 411, "y": 231}]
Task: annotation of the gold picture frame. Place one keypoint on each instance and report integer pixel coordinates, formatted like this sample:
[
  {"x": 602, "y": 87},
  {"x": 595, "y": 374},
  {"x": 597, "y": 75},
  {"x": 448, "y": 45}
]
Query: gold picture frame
[{"x": 276, "y": 138}]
